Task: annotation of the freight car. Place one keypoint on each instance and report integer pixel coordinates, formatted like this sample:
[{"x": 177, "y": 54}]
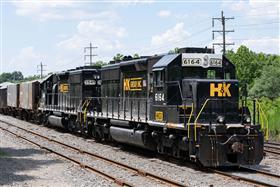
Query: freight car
[
  {"x": 185, "y": 105},
  {"x": 12, "y": 99},
  {"x": 3, "y": 97}
]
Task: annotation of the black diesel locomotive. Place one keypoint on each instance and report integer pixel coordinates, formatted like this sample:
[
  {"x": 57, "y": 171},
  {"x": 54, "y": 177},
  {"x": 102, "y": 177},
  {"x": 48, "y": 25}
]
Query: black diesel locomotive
[{"x": 185, "y": 105}]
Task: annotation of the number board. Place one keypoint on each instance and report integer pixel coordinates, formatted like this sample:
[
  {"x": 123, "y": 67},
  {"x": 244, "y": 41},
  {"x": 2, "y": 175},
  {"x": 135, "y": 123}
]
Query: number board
[
  {"x": 159, "y": 97},
  {"x": 89, "y": 82},
  {"x": 201, "y": 60}
]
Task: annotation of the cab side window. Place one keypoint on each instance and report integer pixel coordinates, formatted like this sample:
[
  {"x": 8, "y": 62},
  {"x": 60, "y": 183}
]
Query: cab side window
[{"x": 159, "y": 78}]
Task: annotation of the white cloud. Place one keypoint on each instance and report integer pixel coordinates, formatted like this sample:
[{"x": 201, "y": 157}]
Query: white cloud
[
  {"x": 133, "y": 2},
  {"x": 265, "y": 45},
  {"x": 43, "y": 10},
  {"x": 55, "y": 10},
  {"x": 164, "y": 13},
  {"x": 239, "y": 5},
  {"x": 172, "y": 35},
  {"x": 102, "y": 31},
  {"x": 104, "y": 34},
  {"x": 26, "y": 61},
  {"x": 263, "y": 9},
  {"x": 255, "y": 10}
]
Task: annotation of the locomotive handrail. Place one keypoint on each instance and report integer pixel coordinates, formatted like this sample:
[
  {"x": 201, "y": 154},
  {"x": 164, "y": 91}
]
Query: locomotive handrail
[
  {"x": 195, "y": 121},
  {"x": 85, "y": 110},
  {"x": 189, "y": 120}
]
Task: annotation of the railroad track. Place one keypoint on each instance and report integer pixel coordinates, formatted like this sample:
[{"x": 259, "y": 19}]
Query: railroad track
[
  {"x": 251, "y": 170},
  {"x": 246, "y": 179},
  {"x": 272, "y": 147},
  {"x": 272, "y": 143},
  {"x": 148, "y": 175},
  {"x": 136, "y": 170}
]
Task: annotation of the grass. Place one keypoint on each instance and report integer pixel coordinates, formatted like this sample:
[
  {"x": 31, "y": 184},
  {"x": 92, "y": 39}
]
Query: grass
[
  {"x": 272, "y": 112},
  {"x": 274, "y": 124}
]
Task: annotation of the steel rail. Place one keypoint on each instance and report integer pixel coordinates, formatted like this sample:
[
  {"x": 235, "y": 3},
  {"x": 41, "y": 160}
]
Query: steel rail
[
  {"x": 272, "y": 147},
  {"x": 236, "y": 177},
  {"x": 273, "y": 152},
  {"x": 261, "y": 172},
  {"x": 137, "y": 170},
  {"x": 272, "y": 143}
]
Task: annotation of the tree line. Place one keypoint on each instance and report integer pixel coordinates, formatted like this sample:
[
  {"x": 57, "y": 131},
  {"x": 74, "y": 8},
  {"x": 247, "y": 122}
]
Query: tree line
[{"x": 16, "y": 77}]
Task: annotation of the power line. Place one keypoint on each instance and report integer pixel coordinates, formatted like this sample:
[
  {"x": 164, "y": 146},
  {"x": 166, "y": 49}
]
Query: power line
[
  {"x": 256, "y": 24},
  {"x": 90, "y": 55},
  {"x": 258, "y": 28},
  {"x": 41, "y": 69},
  {"x": 257, "y": 15},
  {"x": 223, "y": 20}
]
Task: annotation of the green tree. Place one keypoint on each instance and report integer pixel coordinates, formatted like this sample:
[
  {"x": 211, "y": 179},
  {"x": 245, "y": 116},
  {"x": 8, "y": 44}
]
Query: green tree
[
  {"x": 268, "y": 84},
  {"x": 136, "y": 55},
  {"x": 11, "y": 77},
  {"x": 31, "y": 78},
  {"x": 118, "y": 57},
  {"x": 175, "y": 50},
  {"x": 17, "y": 76},
  {"x": 247, "y": 64},
  {"x": 99, "y": 63},
  {"x": 4, "y": 77}
]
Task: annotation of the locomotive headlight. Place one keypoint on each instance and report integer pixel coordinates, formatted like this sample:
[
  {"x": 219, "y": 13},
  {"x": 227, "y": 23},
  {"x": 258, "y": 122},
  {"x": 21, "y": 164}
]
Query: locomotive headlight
[
  {"x": 247, "y": 119},
  {"x": 221, "y": 119}
]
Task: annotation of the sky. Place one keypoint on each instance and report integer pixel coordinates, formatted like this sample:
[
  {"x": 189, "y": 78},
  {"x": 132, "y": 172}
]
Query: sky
[{"x": 56, "y": 32}]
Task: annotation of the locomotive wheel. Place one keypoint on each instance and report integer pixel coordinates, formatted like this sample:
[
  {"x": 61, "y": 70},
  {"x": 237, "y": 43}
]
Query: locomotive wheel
[
  {"x": 96, "y": 134},
  {"x": 89, "y": 129}
]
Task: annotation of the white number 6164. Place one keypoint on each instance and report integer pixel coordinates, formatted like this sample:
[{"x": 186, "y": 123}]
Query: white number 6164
[{"x": 159, "y": 97}]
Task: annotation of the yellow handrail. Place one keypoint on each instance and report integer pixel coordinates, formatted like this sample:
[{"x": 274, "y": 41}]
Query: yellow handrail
[
  {"x": 189, "y": 120},
  {"x": 195, "y": 121},
  {"x": 85, "y": 110},
  {"x": 267, "y": 131},
  {"x": 82, "y": 109},
  {"x": 263, "y": 116}
]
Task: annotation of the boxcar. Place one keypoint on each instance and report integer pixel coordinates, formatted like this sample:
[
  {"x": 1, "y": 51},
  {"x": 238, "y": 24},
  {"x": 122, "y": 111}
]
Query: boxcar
[
  {"x": 29, "y": 95},
  {"x": 13, "y": 95}
]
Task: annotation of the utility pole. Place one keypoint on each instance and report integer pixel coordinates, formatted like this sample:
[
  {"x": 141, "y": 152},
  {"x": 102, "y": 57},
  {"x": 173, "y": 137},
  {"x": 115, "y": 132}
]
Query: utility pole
[
  {"x": 223, "y": 20},
  {"x": 40, "y": 68},
  {"x": 90, "y": 55}
]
